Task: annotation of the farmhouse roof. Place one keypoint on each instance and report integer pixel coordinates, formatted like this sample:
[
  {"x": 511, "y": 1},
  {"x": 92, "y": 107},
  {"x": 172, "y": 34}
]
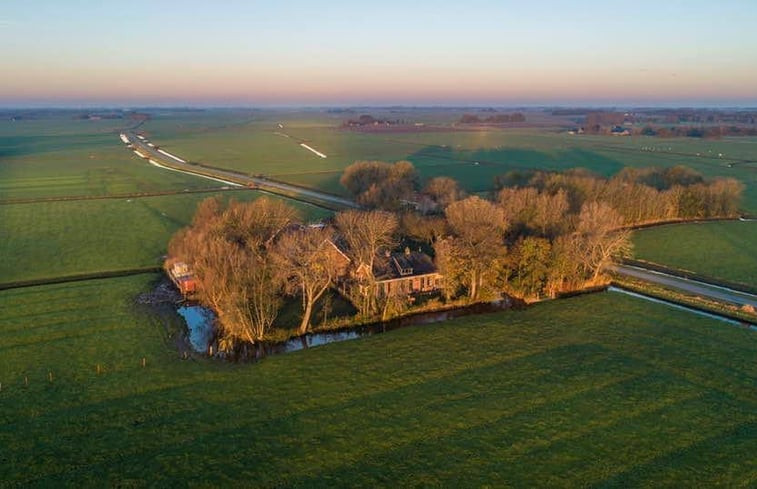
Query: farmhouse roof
[{"x": 398, "y": 265}]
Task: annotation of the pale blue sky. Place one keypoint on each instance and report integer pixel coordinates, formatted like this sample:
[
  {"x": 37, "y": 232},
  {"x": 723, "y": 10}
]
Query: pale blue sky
[{"x": 424, "y": 52}]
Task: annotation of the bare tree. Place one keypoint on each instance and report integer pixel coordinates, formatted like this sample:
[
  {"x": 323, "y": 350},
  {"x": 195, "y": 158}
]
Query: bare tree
[
  {"x": 305, "y": 266},
  {"x": 448, "y": 263},
  {"x": 422, "y": 228},
  {"x": 366, "y": 233},
  {"x": 600, "y": 237},
  {"x": 478, "y": 227},
  {"x": 443, "y": 190},
  {"x": 564, "y": 266},
  {"x": 529, "y": 263}
]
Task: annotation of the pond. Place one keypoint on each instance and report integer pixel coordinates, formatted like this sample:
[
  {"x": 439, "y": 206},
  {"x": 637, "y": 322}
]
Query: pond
[{"x": 200, "y": 326}]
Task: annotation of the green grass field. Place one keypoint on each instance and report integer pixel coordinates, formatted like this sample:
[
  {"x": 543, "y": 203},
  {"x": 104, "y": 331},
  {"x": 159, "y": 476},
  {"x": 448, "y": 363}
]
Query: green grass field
[
  {"x": 723, "y": 250},
  {"x": 51, "y": 239},
  {"x": 248, "y": 142},
  {"x": 60, "y": 156},
  {"x": 598, "y": 390}
]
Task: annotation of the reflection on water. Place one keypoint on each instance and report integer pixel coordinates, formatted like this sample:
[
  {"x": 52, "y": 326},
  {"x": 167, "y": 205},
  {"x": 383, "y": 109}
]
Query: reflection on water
[
  {"x": 199, "y": 325},
  {"x": 318, "y": 339}
]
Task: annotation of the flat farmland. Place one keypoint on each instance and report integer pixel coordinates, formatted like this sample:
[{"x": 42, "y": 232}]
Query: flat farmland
[
  {"x": 722, "y": 250},
  {"x": 61, "y": 156},
  {"x": 596, "y": 390},
  {"x": 50, "y": 239},
  {"x": 474, "y": 155}
]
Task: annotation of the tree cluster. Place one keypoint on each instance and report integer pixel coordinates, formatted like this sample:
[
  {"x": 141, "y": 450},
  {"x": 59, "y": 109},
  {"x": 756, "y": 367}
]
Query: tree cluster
[
  {"x": 393, "y": 186},
  {"x": 639, "y": 195},
  {"x": 249, "y": 257},
  {"x": 230, "y": 250},
  {"x": 377, "y": 184},
  {"x": 565, "y": 228},
  {"x": 542, "y": 234}
]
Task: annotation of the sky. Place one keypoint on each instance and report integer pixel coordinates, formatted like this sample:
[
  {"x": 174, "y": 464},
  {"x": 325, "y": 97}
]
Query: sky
[{"x": 472, "y": 52}]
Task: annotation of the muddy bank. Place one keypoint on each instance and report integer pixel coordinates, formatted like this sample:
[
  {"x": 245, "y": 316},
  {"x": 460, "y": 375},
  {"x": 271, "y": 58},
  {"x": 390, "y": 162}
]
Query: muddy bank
[{"x": 161, "y": 302}]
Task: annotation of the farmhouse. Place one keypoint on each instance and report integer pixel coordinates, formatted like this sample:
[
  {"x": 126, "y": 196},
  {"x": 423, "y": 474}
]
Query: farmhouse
[{"x": 410, "y": 273}]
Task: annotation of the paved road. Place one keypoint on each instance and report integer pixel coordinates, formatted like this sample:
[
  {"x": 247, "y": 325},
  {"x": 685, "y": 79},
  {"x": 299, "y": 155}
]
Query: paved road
[
  {"x": 314, "y": 197},
  {"x": 703, "y": 289}
]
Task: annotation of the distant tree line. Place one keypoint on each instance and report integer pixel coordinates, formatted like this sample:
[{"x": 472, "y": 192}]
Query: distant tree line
[
  {"x": 369, "y": 120},
  {"x": 710, "y": 132},
  {"x": 710, "y": 116},
  {"x": 597, "y": 122},
  {"x": 492, "y": 119}
]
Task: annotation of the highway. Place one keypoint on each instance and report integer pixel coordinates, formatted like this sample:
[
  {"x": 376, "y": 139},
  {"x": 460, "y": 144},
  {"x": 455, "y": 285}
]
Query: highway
[
  {"x": 695, "y": 287},
  {"x": 161, "y": 159}
]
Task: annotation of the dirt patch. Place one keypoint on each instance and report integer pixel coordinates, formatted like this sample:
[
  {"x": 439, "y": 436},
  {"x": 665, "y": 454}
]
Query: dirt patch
[{"x": 163, "y": 293}]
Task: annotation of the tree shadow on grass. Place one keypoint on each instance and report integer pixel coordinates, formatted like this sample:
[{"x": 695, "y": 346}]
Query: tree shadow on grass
[{"x": 475, "y": 170}]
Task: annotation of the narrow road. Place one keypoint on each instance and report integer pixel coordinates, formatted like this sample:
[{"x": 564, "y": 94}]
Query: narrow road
[
  {"x": 703, "y": 289},
  {"x": 320, "y": 199}
]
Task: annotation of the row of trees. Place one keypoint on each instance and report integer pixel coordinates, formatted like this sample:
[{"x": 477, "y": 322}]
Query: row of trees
[
  {"x": 486, "y": 249},
  {"x": 711, "y": 132},
  {"x": 544, "y": 199}
]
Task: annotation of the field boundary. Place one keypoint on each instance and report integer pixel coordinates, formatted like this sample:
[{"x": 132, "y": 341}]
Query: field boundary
[
  {"x": 683, "y": 220},
  {"x": 136, "y": 195},
  {"x": 681, "y": 299},
  {"x": 689, "y": 275},
  {"x": 317, "y": 198},
  {"x": 79, "y": 277}
]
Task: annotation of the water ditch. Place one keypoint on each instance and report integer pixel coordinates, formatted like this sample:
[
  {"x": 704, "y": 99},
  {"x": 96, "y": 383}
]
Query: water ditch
[
  {"x": 674, "y": 305},
  {"x": 202, "y": 332},
  {"x": 203, "y": 339}
]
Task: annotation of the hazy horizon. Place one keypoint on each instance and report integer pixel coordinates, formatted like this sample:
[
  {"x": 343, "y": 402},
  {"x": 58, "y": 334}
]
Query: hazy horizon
[{"x": 482, "y": 53}]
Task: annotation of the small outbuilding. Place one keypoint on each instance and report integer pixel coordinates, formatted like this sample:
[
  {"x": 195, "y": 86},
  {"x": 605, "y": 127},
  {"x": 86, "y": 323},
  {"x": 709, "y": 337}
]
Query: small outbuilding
[{"x": 181, "y": 275}]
